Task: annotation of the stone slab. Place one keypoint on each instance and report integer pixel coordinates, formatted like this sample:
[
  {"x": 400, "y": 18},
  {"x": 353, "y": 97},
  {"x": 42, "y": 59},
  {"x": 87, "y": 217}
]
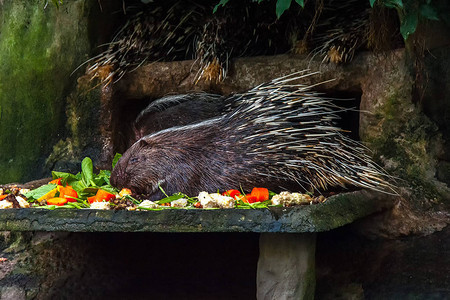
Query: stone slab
[
  {"x": 286, "y": 266},
  {"x": 337, "y": 211}
]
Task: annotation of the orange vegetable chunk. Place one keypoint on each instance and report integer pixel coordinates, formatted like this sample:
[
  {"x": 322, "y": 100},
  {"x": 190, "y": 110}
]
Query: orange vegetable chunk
[
  {"x": 57, "y": 201},
  {"x": 68, "y": 192},
  {"x": 56, "y": 181},
  {"x": 261, "y": 194}
]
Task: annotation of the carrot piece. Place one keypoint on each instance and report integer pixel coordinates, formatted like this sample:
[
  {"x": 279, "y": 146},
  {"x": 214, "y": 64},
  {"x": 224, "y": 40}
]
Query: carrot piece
[
  {"x": 231, "y": 193},
  {"x": 101, "y": 196},
  {"x": 57, "y": 201},
  {"x": 3, "y": 196},
  {"x": 250, "y": 198},
  {"x": 93, "y": 199},
  {"x": 56, "y": 181},
  {"x": 104, "y": 195},
  {"x": 261, "y": 194},
  {"x": 68, "y": 192}
]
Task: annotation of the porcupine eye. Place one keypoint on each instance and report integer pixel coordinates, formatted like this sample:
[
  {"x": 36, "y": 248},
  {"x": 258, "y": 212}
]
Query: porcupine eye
[{"x": 134, "y": 160}]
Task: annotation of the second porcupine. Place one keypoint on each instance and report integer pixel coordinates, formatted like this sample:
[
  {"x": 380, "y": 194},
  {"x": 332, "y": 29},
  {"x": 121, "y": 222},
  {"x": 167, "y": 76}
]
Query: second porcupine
[{"x": 281, "y": 135}]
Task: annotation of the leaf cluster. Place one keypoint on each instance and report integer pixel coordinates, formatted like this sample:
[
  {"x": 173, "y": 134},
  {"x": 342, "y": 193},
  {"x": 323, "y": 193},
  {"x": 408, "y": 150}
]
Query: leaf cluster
[
  {"x": 410, "y": 12},
  {"x": 85, "y": 183},
  {"x": 280, "y": 8}
]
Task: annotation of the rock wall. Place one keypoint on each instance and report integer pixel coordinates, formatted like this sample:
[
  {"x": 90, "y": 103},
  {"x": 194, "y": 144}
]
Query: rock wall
[{"x": 39, "y": 49}]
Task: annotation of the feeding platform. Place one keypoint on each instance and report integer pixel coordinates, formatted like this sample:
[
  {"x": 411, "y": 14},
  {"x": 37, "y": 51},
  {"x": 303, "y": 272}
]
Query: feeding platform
[{"x": 287, "y": 235}]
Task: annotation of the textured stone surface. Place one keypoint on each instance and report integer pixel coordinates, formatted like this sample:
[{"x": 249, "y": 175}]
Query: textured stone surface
[
  {"x": 160, "y": 78},
  {"x": 39, "y": 49},
  {"x": 286, "y": 266},
  {"x": 335, "y": 212}
]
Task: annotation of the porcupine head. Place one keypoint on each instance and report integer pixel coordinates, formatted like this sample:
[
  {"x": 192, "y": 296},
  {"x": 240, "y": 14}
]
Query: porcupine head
[
  {"x": 187, "y": 159},
  {"x": 281, "y": 136}
]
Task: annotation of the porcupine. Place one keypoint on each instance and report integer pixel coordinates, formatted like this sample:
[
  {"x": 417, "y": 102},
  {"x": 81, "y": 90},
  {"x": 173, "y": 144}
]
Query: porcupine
[
  {"x": 177, "y": 30},
  {"x": 281, "y": 135},
  {"x": 346, "y": 26},
  {"x": 177, "y": 110}
]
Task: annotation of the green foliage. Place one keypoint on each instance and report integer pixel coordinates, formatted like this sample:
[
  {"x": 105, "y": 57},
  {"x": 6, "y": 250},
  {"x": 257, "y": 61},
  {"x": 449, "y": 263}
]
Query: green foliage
[
  {"x": 86, "y": 183},
  {"x": 283, "y": 5},
  {"x": 410, "y": 12},
  {"x": 40, "y": 191},
  {"x": 280, "y": 7},
  {"x": 116, "y": 159}
]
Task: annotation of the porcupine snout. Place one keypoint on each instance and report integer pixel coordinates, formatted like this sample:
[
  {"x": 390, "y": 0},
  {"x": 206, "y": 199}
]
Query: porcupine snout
[{"x": 119, "y": 177}]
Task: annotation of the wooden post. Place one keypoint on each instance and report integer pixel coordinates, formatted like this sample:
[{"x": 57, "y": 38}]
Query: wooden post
[{"x": 286, "y": 266}]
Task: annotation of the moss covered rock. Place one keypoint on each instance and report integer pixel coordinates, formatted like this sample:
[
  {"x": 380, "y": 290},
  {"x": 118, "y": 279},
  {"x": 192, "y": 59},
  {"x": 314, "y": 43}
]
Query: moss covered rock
[{"x": 39, "y": 49}]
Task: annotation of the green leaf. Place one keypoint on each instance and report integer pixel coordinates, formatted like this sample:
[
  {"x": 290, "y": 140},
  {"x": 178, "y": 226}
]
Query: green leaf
[
  {"x": 102, "y": 178},
  {"x": 87, "y": 171},
  {"x": 170, "y": 199},
  {"x": 109, "y": 189},
  {"x": 78, "y": 185},
  {"x": 282, "y": 6},
  {"x": 221, "y": 3},
  {"x": 90, "y": 190},
  {"x": 40, "y": 191},
  {"x": 372, "y": 2},
  {"x": 67, "y": 178},
  {"x": 393, "y": 3},
  {"x": 116, "y": 159},
  {"x": 300, "y": 2},
  {"x": 50, "y": 207},
  {"x": 429, "y": 12},
  {"x": 409, "y": 25}
]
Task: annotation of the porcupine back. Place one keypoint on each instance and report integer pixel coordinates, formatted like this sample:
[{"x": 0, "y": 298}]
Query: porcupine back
[{"x": 281, "y": 135}]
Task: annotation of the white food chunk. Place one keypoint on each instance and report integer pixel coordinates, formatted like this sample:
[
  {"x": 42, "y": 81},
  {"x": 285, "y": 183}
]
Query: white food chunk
[
  {"x": 148, "y": 204},
  {"x": 206, "y": 201},
  {"x": 5, "y": 204},
  {"x": 182, "y": 202},
  {"x": 215, "y": 200},
  {"x": 223, "y": 201},
  {"x": 22, "y": 202},
  {"x": 290, "y": 199},
  {"x": 100, "y": 205}
]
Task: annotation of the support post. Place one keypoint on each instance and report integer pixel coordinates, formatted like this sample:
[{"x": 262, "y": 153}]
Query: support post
[{"x": 286, "y": 266}]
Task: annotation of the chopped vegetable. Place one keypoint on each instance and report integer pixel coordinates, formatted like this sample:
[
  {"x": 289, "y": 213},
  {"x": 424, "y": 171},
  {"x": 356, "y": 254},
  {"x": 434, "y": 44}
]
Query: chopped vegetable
[
  {"x": 124, "y": 192},
  {"x": 58, "y": 201},
  {"x": 101, "y": 196},
  {"x": 56, "y": 181},
  {"x": 100, "y": 205},
  {"x": 50, "y": 194},
  {"x": 232, "y": 193},
  {"x": 3, "y": 197},
  {"x": 261, "y": 194},
  {"x": 249, "y": 198},
  {"x": 69, "y": 193}
]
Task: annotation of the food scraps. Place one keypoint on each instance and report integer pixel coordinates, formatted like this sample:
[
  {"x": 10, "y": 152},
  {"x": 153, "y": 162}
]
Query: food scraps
[{"x": 89, "y": 190}]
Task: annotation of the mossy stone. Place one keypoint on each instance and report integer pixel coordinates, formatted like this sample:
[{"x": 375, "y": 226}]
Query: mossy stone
[{"x": 39, "y": 49}]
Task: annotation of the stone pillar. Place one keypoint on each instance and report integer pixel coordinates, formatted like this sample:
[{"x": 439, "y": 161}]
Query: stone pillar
[{"x": 286, "y": 266}]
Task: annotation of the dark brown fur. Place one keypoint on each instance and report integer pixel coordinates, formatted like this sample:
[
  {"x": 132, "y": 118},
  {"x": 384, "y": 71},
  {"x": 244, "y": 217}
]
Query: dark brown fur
[
  {"x": 277, "y": 135},
  {"x": 187, "y": 159}
]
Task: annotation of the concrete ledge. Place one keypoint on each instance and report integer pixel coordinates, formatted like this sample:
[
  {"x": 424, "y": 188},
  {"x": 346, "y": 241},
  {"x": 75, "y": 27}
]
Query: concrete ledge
[{"x": 337, "y": 211}]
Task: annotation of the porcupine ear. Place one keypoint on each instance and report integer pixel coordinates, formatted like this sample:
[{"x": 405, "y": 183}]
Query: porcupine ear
[{"x": 142, "y": 142}]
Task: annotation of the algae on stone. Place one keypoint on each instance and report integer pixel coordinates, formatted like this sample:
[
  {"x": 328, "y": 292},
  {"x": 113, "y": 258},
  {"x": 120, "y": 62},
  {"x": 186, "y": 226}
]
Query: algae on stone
[{"x": 39, "y": 49}]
